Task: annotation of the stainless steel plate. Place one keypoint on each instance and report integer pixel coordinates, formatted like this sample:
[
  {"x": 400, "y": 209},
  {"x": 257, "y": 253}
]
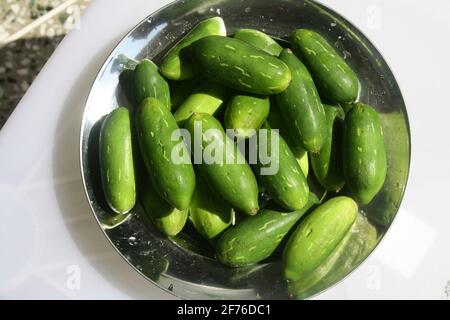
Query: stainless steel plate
[{"x": 182, "y": 265}]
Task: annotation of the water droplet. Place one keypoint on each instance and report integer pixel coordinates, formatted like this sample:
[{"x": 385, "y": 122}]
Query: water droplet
[
  {"x": 346, "y": 54},
  {"x": 145, "y": 252},
  {"x": 265, "y": 197},
  {"x": 132, "y": 241},
  {"x": 333, "y": 24}
]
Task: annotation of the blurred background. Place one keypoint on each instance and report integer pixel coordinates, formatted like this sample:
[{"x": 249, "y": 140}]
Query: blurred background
[{"x": 30, "y": 30}]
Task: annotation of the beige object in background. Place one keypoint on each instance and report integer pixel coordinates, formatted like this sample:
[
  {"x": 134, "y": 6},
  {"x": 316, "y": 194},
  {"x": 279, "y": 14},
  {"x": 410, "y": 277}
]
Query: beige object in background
[{"x": 30, "y": 30}]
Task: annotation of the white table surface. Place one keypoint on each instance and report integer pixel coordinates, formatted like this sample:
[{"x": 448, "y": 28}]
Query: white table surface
[{"x": 51, "y": 246}]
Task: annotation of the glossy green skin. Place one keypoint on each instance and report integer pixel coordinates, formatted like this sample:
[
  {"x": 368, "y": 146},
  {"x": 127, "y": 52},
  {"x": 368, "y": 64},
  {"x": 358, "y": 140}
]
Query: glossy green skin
[
  {"x": 176, "y": 65},
  {"x": 288, "y": 186},
  {"x": 397, "y": 144},
  {"x": 351, "y": 251},
  {"x": 317, "y": 236},
  {"x": 169, "y": 220},
  {"x": 301, "y": 107},
  {"x": 155, "y": 126},
  {"x": 126, "y": 80},
  {"x": 305, "y": 285},
  {"x": 234, "y": 182},
  {"x": 207, "y": 98},
  {"x": 362, "y": 240},
  {"x": 149, "y": 83},
  {"x": 303, "y": 161},
  {"x": 256, "y": 238},
  {"x": 332, "y": 75},
  {"x": 209, "y": 214},
  {"x": 245, "y": 114},
  {"x": 259, "y": 40},
  {"x": 276, "y": 121},
  {"x": 116, "y": 161},
  {"x": 240, "y": 66},
  {"x": 180, "y": 91},
  {"x": 365, "y": 163},
  {"x": 327, "y": 164}
]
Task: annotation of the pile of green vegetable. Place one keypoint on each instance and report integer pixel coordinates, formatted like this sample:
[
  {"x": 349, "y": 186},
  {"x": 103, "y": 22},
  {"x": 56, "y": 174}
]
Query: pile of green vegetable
[{"x": 246, "y": 83}]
